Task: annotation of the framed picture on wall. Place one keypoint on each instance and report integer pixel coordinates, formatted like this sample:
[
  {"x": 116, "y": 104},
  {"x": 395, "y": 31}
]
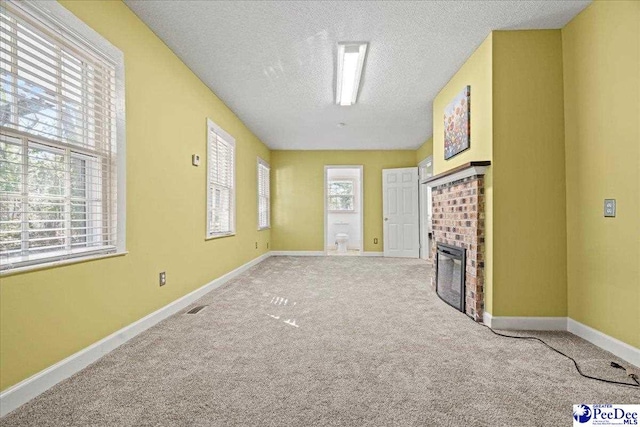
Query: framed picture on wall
[{"x": 457, "y": 124}]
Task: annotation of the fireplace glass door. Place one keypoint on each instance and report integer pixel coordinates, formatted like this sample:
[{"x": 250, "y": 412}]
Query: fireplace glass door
[{"x": 450, "y": 274}]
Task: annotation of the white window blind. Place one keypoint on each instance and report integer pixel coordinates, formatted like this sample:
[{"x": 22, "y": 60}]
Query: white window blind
[
  {"x": 220, "y": 182},
  {"x": 264, "y": 201},
  {"x": 61, "y": 120}
]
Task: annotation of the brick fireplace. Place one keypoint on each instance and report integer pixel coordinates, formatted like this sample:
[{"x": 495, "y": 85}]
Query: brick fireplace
[{"x": 458, "y": 199}]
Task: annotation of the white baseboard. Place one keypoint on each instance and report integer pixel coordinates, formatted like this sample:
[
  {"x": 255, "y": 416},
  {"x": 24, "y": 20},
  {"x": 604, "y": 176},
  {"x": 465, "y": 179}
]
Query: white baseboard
[
  {"x": 297, "y": 253},
  {"x": 525, "y": 323},
  {"x": 621, "y": 349},
  {"x": 316, "y": 253},
  {"x": 372, "y": 253},
  {"x": 21, "y": 393},
  {"x": 487, "y": 318}
]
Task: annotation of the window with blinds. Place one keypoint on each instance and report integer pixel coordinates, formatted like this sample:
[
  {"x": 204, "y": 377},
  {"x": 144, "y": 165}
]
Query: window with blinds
[
  {"x": 264, "y": 201},
  {"x": 61, "y": 121},
  {"x": 220, "y": 182}
]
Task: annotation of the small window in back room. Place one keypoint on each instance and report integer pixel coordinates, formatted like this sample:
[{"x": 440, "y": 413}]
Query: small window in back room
[
  {"x": 341, "y": 195},
  {"x": 264, "y": 199},
  {"x": 221, "y": 182}
]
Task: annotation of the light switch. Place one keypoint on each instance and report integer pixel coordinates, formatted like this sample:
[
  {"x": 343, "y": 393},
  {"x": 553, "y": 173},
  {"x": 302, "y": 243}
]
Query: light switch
[
  {"x": 195, "y": 160},
  {"x": 609, "y": 208}
]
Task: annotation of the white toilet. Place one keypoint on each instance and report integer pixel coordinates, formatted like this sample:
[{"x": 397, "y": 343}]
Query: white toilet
[
  {"x": 342, "y": 239},
  {"x": 341, "y": 229}
]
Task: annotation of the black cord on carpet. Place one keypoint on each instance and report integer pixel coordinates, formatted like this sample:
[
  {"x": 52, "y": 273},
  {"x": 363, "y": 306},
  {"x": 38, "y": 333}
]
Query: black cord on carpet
[
  {"x": 613, "y": 364},
  {"x": 633, "y": 376}
]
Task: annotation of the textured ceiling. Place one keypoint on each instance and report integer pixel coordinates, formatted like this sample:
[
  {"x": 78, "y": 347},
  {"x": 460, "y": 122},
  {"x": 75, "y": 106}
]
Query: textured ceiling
[{"x": 273, "y": 62}]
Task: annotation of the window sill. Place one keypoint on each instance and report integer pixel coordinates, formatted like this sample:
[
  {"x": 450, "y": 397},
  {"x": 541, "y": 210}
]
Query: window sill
[
  {"x": 343, "y": 212},
  {"x": 264, "y": 228},
  {"x": 219, "y": 236},
  {"x": 60, "y": 263}
]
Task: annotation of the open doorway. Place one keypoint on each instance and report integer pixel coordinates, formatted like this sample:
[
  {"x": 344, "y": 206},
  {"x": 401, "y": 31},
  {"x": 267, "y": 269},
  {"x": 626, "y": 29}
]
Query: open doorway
[
  {"x": 343, "y": 210},
  {"x": 425, "y": 170}
]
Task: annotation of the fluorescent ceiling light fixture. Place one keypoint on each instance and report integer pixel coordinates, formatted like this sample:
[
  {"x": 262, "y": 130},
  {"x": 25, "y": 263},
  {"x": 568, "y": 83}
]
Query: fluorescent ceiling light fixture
[{"x": 350, "y": 63}]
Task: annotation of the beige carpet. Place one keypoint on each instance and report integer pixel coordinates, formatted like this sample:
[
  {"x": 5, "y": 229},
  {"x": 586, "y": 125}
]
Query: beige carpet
[{"x": 329, "y": 341}]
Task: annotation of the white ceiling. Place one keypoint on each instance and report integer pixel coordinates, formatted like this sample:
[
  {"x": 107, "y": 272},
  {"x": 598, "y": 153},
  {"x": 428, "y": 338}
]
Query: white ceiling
[{"x": 273, "y": 62}]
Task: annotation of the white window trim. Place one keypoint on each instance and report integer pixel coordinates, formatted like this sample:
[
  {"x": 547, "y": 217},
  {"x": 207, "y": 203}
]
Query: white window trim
[
  {"x": 213, "y": 127},
  {"x": 52, "y": 14},
  {"x": 343, "y": 211},
  {"x": 265, "y": 164}
]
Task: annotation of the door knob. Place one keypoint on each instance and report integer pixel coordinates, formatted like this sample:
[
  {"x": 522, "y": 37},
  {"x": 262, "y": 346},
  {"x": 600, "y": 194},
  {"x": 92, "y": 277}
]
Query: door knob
[{"x": 386, "y": 219}]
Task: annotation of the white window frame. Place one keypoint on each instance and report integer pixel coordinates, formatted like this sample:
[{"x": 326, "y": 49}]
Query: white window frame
[
  {"x": 264, "y": 164},
  {"x": 55, "y": 17},
  {"x": 352, "y": 195},
  {"x": 213, "y": 128}
]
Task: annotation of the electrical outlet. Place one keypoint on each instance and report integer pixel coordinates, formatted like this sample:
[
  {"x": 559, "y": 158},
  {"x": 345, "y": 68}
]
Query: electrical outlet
[
  {"x": 162, "y": 278},
  {"x": 375, "y": 240},
  {"x": 195, "y": 160},
  {"x": 267, "y": 245},
  {"x": 610, "y": 208},
  {"x": 256, "y": 245}
]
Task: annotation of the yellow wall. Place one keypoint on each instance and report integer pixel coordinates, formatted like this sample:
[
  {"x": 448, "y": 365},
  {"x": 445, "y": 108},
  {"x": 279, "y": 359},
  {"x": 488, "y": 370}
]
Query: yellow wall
[
  {"x": 476, "y": 72},
  {"x": 48, "y": 315},
  {"x": 297, "y": 192},
  {"x": 602, "y": 136},
  {"x": 529, "y": 233},
  {"x": 425, "y": 150}
]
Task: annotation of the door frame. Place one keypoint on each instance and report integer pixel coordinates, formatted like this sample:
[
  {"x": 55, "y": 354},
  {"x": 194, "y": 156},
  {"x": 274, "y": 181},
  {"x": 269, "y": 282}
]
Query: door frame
[
  {"x": 361, "y": 200},
  {"x": 424, "y": 193}
]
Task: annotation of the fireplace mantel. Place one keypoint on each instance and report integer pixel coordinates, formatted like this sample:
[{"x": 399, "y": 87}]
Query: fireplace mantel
[{"x": 463, "y": 171}]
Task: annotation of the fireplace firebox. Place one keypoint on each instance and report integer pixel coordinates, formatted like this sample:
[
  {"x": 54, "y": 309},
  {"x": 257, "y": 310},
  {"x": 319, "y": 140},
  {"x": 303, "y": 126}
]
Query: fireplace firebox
[{"x": 450, "y": 275}]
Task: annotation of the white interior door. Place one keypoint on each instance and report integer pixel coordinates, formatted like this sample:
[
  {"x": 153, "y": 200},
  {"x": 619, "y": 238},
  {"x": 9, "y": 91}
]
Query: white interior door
[{"x": 400, "y": 212}]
